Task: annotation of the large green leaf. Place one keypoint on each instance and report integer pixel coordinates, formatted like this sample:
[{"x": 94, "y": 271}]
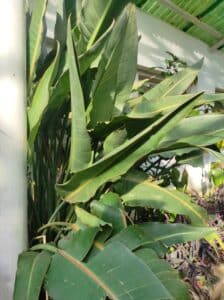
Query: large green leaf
[
  {"x": 165, "y": 273},
  {"x": 210, "y": 98},
  {"x": 153, "y": 234},
  {"x": 126, "y": 71},
  {"x": 79, "y": 243},
  {"x": 41, "y": 98},
  {"x": 88, "y": 57},
  {"x": 32, "y": 268},
  {"x": 174, "y": 85},
  {"x": 80, "y": 153},
  {"x": 117, "y": 68},
  {"x": 137, "y": 190},
  {"x": 157, "y": 106},
  {"x": 170, "y": 234},
  {"x": 104, "y": 275},
  {"x": 83, "y": 185},
  {"x": 199, "y": 130},
  {"x": 96, "y": 16},
  {"x": 36, "y": 35}
]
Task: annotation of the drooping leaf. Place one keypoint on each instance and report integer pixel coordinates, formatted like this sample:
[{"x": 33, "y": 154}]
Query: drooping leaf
[
  {"x": 199, "y": 130},
  {"x": 137, "y": 190},
  {"x": 158, "y": 106},
  {"x": 171, "y": 86},
  {"x": 105, "y": 274},
  {"x": 171, "y": 234},
  {"x": 83, "y": 185},
  {"x": 78, "y": 244},
  {"x": 155, "y": 235},
  {"x": 80, "y": 153},
  {"x": 41, "y": 99},
  {"x": 210, "y": 98},
  {"x": 133, "y": 237},
  {"x": 36, "y": 29},
  {"x": 31, "y": 271},
  {"x": 165, "y": 273}
]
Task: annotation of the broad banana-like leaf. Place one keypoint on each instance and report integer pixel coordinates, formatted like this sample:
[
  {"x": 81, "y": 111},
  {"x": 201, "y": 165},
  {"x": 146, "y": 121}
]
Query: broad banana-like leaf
[
  {"x": 35, "y": 36},
  {"x": 41, "y": 98},
  {"x": 171, "y": 86},
  {"x": 117, "y": 68},
  {"x": 104, "y": 275},
  {"x": 83, "y": 185},
  {"x": 153, "y": 234},
  {"x": 149, "y": 109},
  {"x": 31, "y": 271},
  {"x": 96, "y": 16},
  {"x": 210, "y": 98},
  {"x": 136, "y": 190},
  {"x": 126, "y": 71},
  {"x": 199, "y": 130},
  {"x": 158, "y": 106},
  {"x": 80, "y": 152},
  {"x": 79, "y": 243},
  {"x": 171, "y": 234},
  {"x": 165, "y": 273},
  {"x": 110, "y": 158}
]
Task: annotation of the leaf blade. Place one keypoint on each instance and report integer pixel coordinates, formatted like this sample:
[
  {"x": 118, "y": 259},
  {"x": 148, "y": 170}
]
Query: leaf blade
[
  {"x": 31, "y": 271},
  {"x": 80, "y": 153}
]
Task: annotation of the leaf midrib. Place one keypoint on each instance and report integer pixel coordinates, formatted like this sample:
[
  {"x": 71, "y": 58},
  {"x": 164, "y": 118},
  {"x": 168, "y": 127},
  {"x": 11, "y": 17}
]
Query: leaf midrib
[{"x": 89, "y": 273}]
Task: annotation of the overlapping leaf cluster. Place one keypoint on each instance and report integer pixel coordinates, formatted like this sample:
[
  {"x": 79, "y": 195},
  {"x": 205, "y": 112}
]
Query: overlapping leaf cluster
[{"x": 88, "y": 134}]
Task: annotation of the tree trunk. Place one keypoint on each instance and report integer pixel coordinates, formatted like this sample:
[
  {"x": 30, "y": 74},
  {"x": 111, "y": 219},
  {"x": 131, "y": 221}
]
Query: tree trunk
[{"x": 13, "y": 203}]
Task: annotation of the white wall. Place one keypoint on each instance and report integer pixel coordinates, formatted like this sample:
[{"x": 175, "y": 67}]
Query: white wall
[
  {"x": 13, "y": 204},
  {"x": 157, "y": 37}
]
